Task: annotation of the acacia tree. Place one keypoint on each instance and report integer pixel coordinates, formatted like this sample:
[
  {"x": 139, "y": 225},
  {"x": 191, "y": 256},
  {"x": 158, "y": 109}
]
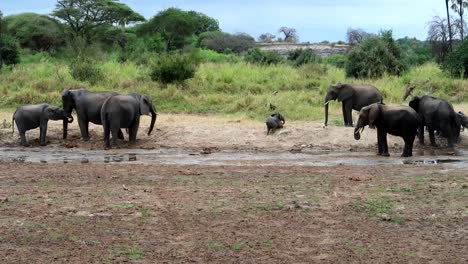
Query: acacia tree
[
  {"x": 356, "y": 35},
  {"x": 459, "y": 7},
  {"x": 83, "y": 16},
  {"x": 266, "y": 38},
  {"x": 290, "y": 34}
]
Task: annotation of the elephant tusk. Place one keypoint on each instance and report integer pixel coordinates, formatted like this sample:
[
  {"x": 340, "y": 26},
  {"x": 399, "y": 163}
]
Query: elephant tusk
[
  {"x": 356, "y": 132},
  {"x": 327, "y": 102}
]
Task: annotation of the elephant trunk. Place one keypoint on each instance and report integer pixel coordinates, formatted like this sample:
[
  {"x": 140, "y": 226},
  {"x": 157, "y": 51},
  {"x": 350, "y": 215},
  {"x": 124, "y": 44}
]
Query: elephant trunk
[
  {"x": 153, "y": 119},
  {"x": 67, "y": 119},
  {"x": 357, "y": 133}
]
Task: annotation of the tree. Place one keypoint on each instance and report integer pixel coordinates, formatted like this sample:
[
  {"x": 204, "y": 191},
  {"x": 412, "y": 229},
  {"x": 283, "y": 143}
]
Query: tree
[
  {"x": 83, "y": 16},
  {"x": 459, "y": 7},
  {"x": 439, "y": 36},
  {"x": 225, "y": 42},
  {"x": 449, "y": 25},
  {"x": 356, "y": 35},
  {"x": 204, "y": 23},
  {"x": 266, "y": 38},
  {"x": 457, "y": 61},
  {"x": 34, "y": 31},
  {"x": 375, "y": 56},
  {"x": 290, "y": 34},
  {"x": 174, "y": 25}
]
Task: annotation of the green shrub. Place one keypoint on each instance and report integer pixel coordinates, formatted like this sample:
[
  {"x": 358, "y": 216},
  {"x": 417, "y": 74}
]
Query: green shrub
[
  {"x": 258, "y": 56},
  {"x": 85, "y": 69},
  {"x": 9, "y": 50},
  {"x": 374, "y": 57},
  {"x": 213, "y": 56},
  {"x": 174, "y": 67},
  {"x": 299, "y": 57},
  {"x": 457, "y": 61},
  {"x": 337, "y": 60}
]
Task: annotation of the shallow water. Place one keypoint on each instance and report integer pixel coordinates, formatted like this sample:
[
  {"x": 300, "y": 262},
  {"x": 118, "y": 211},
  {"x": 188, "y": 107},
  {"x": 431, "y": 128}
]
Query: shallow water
[{"x": 227, "y": 158}]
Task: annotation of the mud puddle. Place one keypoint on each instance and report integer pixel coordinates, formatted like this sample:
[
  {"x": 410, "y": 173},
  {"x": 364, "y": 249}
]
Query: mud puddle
[{"x": 225, "y": 158}]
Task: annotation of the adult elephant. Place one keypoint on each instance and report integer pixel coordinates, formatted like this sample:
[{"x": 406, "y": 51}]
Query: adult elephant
[
  {"x": 400, "y": 121},
  {"x": 124, "y": 111},
  {"x": 353, "y": 97},
  {"x": 437, "y": 115},
  {"x": 88, "y": 109}
]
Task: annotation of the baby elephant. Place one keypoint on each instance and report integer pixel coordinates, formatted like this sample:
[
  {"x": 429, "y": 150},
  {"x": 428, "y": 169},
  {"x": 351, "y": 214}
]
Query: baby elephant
[
  {"x": 28, "y": 117},
  {"x": 274, "y": 122}
]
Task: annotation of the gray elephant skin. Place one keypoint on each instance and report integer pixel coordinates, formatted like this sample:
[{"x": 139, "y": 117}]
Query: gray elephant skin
[
  {"x": 274, "y": 121},
  {"x": 352, "y": 97},
  {"x": 29, "y": 117},
  {"x": 463, "y": 119},
  {"x": 402, "y": 121},
  {"x": 124, "y": 111},
  {"x": 437, "y": 115},
  {"x": 88, "y": 109}
]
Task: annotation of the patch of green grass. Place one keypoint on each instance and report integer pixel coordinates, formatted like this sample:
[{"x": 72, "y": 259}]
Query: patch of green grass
[
  {"x": 265, "y": 244},
  {"x": 145, "y": 213},
  {"x": 419, "y": 179},
  {"x": 55, "y": 235},
  {"x": 400, "y": 189},
  {"x": 357, "y": 247},
  {"x": 237, "y": 246},
  {"x": 376, "y": 206},
  {"x": 397, "y": 220},
  {"x": 123, "y": 205},
  {"x": 133, "y": 252}
]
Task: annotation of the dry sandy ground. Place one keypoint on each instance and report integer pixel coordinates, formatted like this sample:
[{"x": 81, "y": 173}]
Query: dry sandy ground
[{"x": 98, "y": 213}]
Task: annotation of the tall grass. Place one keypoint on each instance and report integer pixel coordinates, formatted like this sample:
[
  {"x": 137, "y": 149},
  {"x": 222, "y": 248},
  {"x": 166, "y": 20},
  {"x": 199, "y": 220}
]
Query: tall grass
[{"x": 223, "y": 87}]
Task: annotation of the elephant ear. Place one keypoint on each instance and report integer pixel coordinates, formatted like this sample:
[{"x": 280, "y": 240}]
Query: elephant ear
[
  {"x": 374, "y": 112},
  {"x": 345, "y": 92},
  {"x": 145, "y": 105}
]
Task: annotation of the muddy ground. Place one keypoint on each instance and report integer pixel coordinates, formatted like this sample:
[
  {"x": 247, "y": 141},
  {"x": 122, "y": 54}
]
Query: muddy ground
[{"x": 97, "y": 212}]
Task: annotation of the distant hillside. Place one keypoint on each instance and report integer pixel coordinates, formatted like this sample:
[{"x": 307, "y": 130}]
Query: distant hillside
[{"x": 324, "y": 50}]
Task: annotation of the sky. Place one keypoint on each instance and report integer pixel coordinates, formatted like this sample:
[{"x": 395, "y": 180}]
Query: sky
[{"x": 314, "y": 20}]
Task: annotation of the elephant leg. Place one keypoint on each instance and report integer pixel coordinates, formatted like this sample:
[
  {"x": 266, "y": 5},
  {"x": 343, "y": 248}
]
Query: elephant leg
[
  {"x": 84, "y": 129},
  {"x": 42, "y": 133},
  {"x": 450, "y": 138},
  {"x": 408, "y": 148},
  {"x": 106, "y": 136},
  {"x": 24, "y": 142},
  {"x": 382, "y": 138},
  {"x": 432, "y": 137},
  {"x": 345, "y": 116},
  {"x": 114, "y": 137},
  {"x": 349, "y": 111},
  {"x": 133, "y": 131},
  {"x": 421, "y": 135},
  {"x": 120, "y": 134},
  {"x": 379, "y": 142}
]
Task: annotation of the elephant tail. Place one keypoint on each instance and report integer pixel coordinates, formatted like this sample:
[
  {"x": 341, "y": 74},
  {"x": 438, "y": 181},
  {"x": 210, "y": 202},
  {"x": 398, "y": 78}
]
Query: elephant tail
[{"x": 13, "y": 124}]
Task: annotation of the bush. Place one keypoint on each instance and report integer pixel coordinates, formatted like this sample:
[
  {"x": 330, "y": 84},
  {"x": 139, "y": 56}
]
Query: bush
[
  {"x": 258, "y": 56},
  {"x": 85, "y": 69},
  {"x": 213, "y": 56},
  {"x": 174, "y": 67},
  {"x": 225, "y": 42},
  {"x": 457, "y": 61},
  {"x": 374, "y": 57},
  {"x": 9, "y": 50},
  {"x": 337, "y": 60},
  {"x": 299, "y": 57}
]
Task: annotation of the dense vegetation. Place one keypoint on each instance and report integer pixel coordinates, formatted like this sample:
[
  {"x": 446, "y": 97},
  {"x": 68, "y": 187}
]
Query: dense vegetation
[{"x": 184, "y": 60}]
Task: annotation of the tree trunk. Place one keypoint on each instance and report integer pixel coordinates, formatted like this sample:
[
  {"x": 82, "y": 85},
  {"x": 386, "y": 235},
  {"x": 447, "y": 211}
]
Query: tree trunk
[{"x": 449, "y": 25}]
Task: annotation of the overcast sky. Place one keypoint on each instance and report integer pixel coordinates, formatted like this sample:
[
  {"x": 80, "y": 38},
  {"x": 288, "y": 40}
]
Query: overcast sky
[{"x": 314, "y": 20}]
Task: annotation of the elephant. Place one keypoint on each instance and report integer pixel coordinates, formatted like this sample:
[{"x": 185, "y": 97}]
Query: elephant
[
  {"x": 28, "y": 117},
  {"x": 124, "y": 111},
  {"x": 353, "y": 97},
  {"x": 88, "y": 109},
  {"x": 402, "y": 121},
  {"x": 463, "y": 119},
  {"x": 274, "y": 122},
  {"x": 437, "y": 115}
]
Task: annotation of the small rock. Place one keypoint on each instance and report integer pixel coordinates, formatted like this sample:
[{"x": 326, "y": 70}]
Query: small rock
[
  {"x": 385, "y": 217},
  {"x": 124, "y": 187},
  {"x": 4, "y": 199}
]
